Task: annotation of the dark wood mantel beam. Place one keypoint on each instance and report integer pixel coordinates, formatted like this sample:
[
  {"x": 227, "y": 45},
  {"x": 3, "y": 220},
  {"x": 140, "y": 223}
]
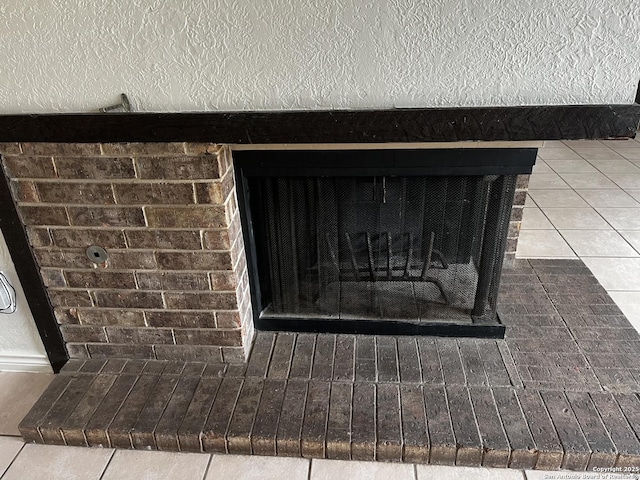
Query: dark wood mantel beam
[{"x": 336, "y": 126}]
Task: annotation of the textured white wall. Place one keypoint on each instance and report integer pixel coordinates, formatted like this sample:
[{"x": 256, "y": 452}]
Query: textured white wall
[
  {"x": 181, "y": 55},
  {"x": 20, "y": 344}
]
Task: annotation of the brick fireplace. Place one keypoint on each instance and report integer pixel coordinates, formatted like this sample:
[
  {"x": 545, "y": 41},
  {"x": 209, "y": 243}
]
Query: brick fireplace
[
  {"x": 159, "y": 331},
  {"x": 395, "y": 241},
  {"x": 159, "y": 197},
  {"x": 175, "y": 283}
]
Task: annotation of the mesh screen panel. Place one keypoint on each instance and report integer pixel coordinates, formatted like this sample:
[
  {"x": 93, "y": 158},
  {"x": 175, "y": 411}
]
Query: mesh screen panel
[{"x": 366, "y": 248}]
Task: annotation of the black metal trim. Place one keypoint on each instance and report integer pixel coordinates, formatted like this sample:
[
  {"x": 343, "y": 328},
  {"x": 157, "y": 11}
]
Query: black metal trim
[
  {"x": 381, "y": 327},
  {"x": 553, "y": 122},
  {"x": 29, "y": 276},
  {"x": 492, "y": 256},
  {"x": 476, "y": 161},
  {"x": 242, "y": 194},
  {"x": 378, "y": 162}
]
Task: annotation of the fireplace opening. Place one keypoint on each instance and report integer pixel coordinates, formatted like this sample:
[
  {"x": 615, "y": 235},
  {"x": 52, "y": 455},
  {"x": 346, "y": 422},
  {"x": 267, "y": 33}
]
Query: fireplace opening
[{"x": 385, "y": 242}]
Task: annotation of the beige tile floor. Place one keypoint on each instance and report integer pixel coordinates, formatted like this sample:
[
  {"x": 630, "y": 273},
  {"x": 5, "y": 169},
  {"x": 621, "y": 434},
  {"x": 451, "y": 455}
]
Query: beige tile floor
[{"x": 584, "y": 203}]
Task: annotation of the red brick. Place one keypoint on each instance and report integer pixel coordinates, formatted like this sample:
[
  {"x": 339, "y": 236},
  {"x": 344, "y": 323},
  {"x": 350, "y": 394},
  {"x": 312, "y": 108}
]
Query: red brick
[
  {"x": 178, "y": 168},
  {"x": 217, "y": 239},
  {"x": 61, "y": 258},
  {"x": 66, "y": 316},
  {"x": 29, "y": 167},
  {"x": 237, "y": 255},
  {"x": 154, "y": 193},
  {"x": 43, "y": 215},
  {"x": 234, "y": 354},
  {"x": 187, "y": 217},
  {"x": 235, "y": 227},
  {"x": 232, "y": 205},
  {"x": 77, "y": 350},
  {"x": 69, "y": 298},
  {"x": 69, "y": 149},
  {"x": 24, "y": 191},
  {"x": 106, "y": 217},
  {"x": 53, "y": 278},
  {"x": 131, "y": 259},
  {"x": 201, "y": 148},
  {"x": 200, "y": 301},
  {"x": 225, "y": 162},
  {"x": 172, "y": 281},
  {"x": 228, "y": 319},
  {"x": 516, "y": 214},
  {"x": 215, "y": 192},
  {"x": 38, "y": 237},
  {"x": 143, "y": 148},
  {"x": 194, "y": 260},
  {"x": 150, "y": 336},
  {"x": 514, "y": 229},
  {"x": 204, "y": 336},
  {"x": 84, "y": 237},
  {"x": 83, "y": 334},
  {"x": 108, "y": 350},
  {"x": 111, "y": 317},
  {"x": 128, "y": 299},
  {"x": 94, "y": 168},
  {"x": 223, "y": 281},
  {"x": 8, "y": 148},
  {"x": 522, "y": 182},
  {"x": 100, "y": 279},
  {"x": 78, "y": 193},
  {"x": 520, "y": 197},
  {"x": 178, "y": 240},
  {"x": 210, "y": 192},
  {"x": 199, "y": 353},
  {"x": 72, "y": 366},
  {"x": 181, "y": 319}
]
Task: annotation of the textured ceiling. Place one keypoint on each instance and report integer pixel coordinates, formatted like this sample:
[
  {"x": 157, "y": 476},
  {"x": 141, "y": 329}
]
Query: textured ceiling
[{"x": 186, "y": 55}]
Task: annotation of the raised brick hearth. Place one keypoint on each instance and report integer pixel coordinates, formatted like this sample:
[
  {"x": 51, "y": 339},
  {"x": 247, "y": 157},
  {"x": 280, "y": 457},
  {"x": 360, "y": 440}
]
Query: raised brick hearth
[
  {"x": 560, "y": 391},
  {"x": 175, "y": 285}
]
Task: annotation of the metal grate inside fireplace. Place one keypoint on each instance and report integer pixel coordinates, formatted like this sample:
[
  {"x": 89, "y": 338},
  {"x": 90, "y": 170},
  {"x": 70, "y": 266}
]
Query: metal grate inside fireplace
[{"x": 385, "y": 242}]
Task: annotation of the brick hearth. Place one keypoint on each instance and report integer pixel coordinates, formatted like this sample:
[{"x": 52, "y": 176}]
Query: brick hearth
[{"x": 559, "y": 392}]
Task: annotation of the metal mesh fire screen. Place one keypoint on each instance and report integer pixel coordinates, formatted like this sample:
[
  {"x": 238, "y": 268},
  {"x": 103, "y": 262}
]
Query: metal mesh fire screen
[{"x": 392, "y": 247}]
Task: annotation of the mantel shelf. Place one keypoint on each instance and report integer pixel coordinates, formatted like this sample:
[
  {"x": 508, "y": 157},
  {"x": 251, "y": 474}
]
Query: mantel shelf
[{"x": 419, "y": 125}]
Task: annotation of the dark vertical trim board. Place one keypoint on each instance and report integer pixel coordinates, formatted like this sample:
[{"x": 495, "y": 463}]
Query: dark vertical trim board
[{"x": 29, "y": 276}]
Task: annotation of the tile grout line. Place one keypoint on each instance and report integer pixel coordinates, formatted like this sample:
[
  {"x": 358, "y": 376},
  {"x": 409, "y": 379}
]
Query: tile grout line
[
  {"x": 206, "y": 470},
  {"x": 106, "y": 467},
  {"x": 13, "y": 459}
]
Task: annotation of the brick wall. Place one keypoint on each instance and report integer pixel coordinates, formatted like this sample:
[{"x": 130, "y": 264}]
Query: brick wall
[
  {"x": 522, "y": 186},
  {"x": 175, "y": 284}
]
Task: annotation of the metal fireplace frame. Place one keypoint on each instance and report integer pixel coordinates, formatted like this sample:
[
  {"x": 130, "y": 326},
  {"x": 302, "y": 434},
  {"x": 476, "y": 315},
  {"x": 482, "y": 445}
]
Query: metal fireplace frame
[{"x": 506, "y": 164}]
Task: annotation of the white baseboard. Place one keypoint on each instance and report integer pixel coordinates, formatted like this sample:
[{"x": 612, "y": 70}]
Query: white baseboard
[{"x": 9, "y": 363}]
